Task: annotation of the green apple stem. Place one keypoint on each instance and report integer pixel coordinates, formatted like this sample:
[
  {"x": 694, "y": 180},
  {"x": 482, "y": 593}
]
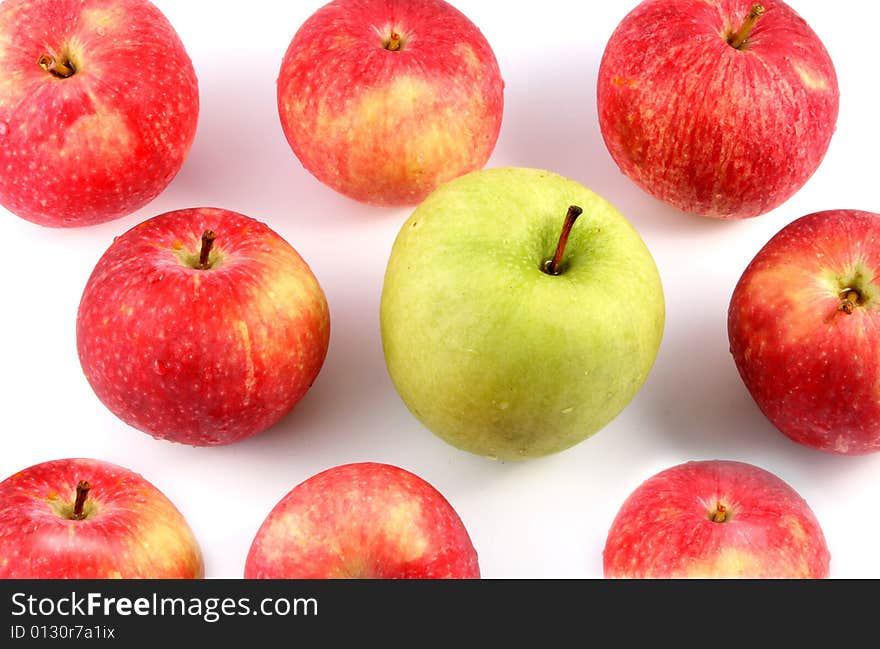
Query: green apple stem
[
  {"x": 82, "y": 492},
  {"x": 393, "y": 43},
  {"x": 739, "y": 37},
  {"x": 208, "y": 239},
  {"x": 60, "y": 69},
  {"x": 554, "y": 266},
  {"x": 720, "y": 514}
]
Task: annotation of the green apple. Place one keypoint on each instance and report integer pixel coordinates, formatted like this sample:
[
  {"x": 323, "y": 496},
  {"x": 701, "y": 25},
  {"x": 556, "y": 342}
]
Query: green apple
[{"x": 508, "y": 329}]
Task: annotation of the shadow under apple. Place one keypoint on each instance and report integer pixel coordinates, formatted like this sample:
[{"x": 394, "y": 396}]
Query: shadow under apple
[
  {"x": 239, "y": 121},
  {"x": 697, "y": 402}
]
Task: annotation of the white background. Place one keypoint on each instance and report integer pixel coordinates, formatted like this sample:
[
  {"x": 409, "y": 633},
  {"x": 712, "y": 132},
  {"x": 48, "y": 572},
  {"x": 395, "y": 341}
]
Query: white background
[{"x": 540, "y": 518}]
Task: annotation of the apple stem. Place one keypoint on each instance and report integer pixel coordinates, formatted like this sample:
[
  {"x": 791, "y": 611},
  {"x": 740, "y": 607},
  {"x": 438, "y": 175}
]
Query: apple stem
[
  {"x": 554, "y": 266},
  {"x": 720, "y": 514},
  {"x": 82, "y": 492},
  {"x": 739, "y": 37},
  {"x": 393, "y": 43},
  {"x": 208, "y": 239},
  {"x": 849, "y": 297},
  {"x": 62, "y": 70}
]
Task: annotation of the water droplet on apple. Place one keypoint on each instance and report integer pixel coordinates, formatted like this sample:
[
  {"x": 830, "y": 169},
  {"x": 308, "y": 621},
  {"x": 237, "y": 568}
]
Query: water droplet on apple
[
  {"x": 160, "y": 368},
  {"x": 4, "y": 128}
]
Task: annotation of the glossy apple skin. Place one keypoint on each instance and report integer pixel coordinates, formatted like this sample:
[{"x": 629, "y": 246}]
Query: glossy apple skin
[
  {"x": 497, "y": 357},
  {"x": 713, "y": 130},
  {"x": 132, "y": 531},
  {"x": 104, "y": 142},
  {"x": 363, "y": 520},
  {"x": 664, "y": 530},
  {"x": 386, "y": 127},
  {"x": 812, "y": 368},
  {"x": 201, "y": 357}
]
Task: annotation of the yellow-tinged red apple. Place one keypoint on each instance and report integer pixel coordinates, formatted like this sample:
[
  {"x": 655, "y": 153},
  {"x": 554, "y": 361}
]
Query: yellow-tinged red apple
[
  {"x": 98, "y": 108},
  {"x": 202, "y": 326},
  {"x": 82, "y": 518},
  {"x": 804, "y": 330},
  {"x": 721, "y": 108},
  {"x": 715, "y": 519},
  {"x": 383, "y": 100},
  {"x": 363, "y": 520}
]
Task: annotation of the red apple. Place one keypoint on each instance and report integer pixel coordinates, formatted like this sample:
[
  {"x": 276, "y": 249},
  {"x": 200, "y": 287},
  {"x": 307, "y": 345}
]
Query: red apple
[
  {"x": 366, "y": 520},
  {"x": 721, "y": 108},
  {"x": 715, "y": 519},
  {"x": 383, "y": 100},
  {"x": 88, "y": 519},
  {"x": 98, "y": 108},
  {"x": 804, "y": 330},
  {"x": 202, "y": 326}
]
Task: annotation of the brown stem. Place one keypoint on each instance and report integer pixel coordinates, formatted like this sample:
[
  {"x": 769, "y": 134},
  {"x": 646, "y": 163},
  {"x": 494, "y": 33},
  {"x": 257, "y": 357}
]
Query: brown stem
[
  {"x": 60, "y": 69},
  {"x": 393, "y": 43},
  {"x": 208, "y": 239},
  {"x": 850, "y": 298},
  {"x": 739, "y": 37},
  {"x": 554, "y": 266},
  {"x": 82, "y": 492},
  {"x": 720, "y": 514}
]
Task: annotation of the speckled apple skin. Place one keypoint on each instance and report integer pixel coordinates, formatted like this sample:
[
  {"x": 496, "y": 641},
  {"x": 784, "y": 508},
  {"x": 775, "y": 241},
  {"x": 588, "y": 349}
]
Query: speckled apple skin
[
  {"x": 811, "y": 368},
  {"x": 202, "y": 357},
  {"x": 132, "y": 532},
  {"x": 362, "y": 520},
  {"x": 106, "y": 141},
  {"x": 386, "y": 127},
  {"x": 713, "y": 130},
  {"x": 664, "y": 530},
  {"x": 492, "y": 354}
]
